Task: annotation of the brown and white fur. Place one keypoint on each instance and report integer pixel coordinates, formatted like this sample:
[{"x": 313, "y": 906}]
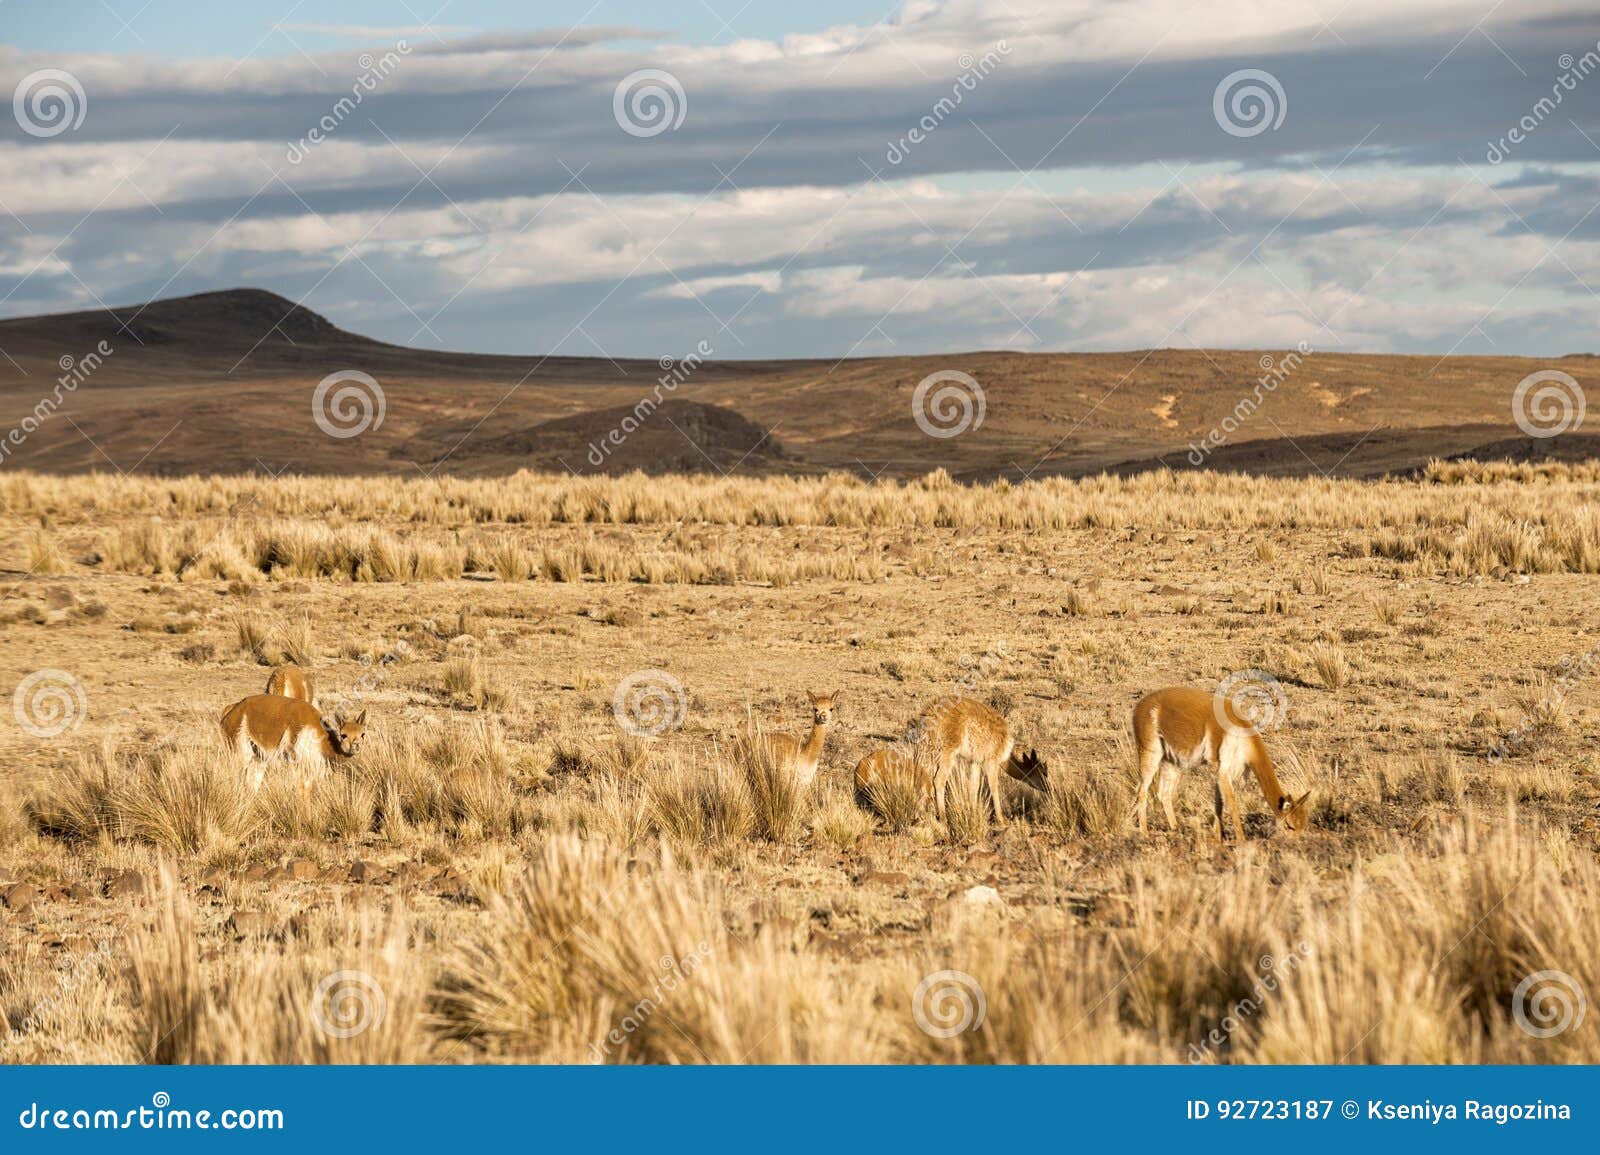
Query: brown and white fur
[
  {"x": 1180, "y": 728},
  {"x": 802, "y": 758},
  {"x": 267, "y": 725},
  {"x": 291, "y": 682},
  {"x": 961, "y": 732}
]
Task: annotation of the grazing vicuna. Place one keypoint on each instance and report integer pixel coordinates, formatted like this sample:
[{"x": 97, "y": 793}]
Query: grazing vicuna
[
  {"x": 801, "y": 759},
  {"x": 264, "y": 725},
  {"x": 291, "y": 682},
  {"x": 960, "y": 731},
  {"x": 1180, "y": 729}
]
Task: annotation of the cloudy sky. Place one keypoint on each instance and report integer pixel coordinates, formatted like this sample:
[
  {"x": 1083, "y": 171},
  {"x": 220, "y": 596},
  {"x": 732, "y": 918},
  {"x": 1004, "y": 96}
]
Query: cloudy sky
[{"x": 834, "y": 178}]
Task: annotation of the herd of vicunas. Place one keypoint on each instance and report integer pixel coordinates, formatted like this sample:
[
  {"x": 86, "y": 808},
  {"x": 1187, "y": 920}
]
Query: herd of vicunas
[{"x": 1174, "y": 729}]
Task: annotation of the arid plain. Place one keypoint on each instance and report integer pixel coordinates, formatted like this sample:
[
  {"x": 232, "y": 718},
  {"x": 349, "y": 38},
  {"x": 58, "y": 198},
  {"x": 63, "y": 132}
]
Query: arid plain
[{"x": 555, "y": 844}]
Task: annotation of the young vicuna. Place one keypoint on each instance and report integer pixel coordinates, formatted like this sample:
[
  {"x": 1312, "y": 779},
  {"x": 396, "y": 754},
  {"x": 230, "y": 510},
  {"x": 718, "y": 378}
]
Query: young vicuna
[
  {"x": 291, "y": 682},
  {"x": 890, "y": 768},
  {"x": 801, "y": 759},
  {"x": 960, "y": 731},
  {"x": 263, "y": 725},
  {"x": 1179, "y": 729}
]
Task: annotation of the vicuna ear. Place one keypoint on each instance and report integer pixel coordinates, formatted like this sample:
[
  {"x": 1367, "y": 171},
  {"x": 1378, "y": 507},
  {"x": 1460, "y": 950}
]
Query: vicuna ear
[
  {"x": 1301, "y": 801},
  {"x": 835, "y": 696},
  {"x": 361, "y": 718}
]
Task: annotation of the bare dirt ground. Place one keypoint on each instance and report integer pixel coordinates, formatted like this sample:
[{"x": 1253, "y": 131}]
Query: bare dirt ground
[{"x": 509, "y": 874}]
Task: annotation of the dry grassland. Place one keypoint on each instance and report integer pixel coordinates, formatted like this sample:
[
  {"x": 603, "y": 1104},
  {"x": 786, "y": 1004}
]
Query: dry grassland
[{"x": 504, "y": 873}]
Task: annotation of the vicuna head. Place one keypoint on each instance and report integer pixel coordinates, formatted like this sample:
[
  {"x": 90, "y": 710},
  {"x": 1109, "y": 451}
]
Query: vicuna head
[
  {"x": 1293, "y": 812},
  {"x": 823, "y": 706},
  {"x": 345, "y": 733},
  {"x": 1029, "y": 768}
]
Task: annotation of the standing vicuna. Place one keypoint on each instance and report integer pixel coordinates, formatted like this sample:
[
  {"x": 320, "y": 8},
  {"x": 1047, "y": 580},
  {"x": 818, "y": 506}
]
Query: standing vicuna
[
  {"x": 263, "y": 725},
  {"x": 801, "y": 759},
  {"x": 961, "y": 731},
  {"x": 291, "y": 682},
  {"x": 1179, "y": 729}
]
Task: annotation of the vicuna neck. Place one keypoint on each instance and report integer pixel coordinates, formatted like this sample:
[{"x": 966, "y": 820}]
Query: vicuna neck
[
  {"x": 813, "y": 747},
  {"x": 1261, "y": 763}
]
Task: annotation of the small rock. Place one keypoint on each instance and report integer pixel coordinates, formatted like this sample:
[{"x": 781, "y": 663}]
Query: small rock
[
  {"x": 79, "y": 892},
  {"x": 247, "y": 924},
  {"x": 982, "y": 896},
  {"x": 18, "y": 897},
  {"x": 124, "y": 884},
  {"x": 302, "y": 870},
  {"x": 255, "y": 872},
  {"x": 361, "y": 871},
  {"x": 884, "y": 878}
]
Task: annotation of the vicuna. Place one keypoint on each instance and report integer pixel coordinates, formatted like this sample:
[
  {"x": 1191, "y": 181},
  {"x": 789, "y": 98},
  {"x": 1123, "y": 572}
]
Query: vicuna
[
  {"x": 801, "y": 759},
  {"x": 291, "y": 682},
  {"x": 265, "y": 725},
  {"x": 960, "y": 731},
  {"x": 1180, "y": 729}
]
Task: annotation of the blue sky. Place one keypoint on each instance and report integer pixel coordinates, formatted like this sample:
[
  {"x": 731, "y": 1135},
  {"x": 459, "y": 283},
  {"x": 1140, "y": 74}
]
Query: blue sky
[{"x": 626, "y": 179}]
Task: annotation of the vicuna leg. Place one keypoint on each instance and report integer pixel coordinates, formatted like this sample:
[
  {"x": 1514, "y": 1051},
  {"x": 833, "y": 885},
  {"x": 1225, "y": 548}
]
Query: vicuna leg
[
  {"x": 1225, "y": 785},
  {"x": 1149, "y": 764},
  {"x": 1166, "y": 790},
  {"x": 992, "y": 772}
]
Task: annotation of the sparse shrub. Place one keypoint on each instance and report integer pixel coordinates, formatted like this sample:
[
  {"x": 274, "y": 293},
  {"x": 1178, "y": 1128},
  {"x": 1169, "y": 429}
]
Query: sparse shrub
[{"x": 1332, "y": 667}]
